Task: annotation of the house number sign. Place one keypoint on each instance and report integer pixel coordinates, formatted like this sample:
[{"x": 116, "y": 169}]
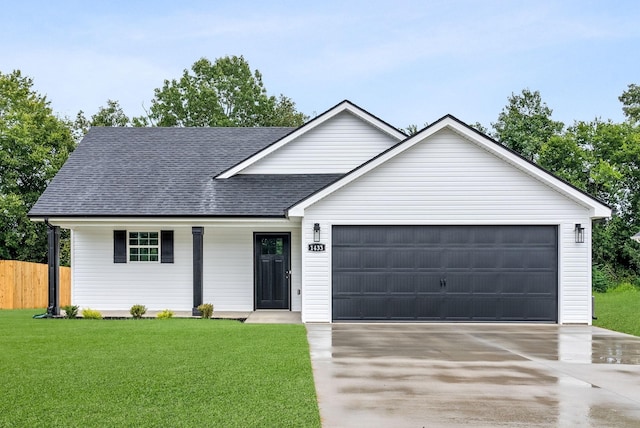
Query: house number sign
[{"x": 316, "y": 247}]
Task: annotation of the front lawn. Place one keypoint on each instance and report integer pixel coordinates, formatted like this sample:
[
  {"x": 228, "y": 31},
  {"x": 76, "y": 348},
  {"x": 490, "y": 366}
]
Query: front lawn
[
  {"x": 619, "y": 311},
  {"x": 174, "y": 373}
]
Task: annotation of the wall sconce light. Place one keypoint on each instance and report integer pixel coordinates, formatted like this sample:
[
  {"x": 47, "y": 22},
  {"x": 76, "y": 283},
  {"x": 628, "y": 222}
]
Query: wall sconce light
[
  {"x": 316, "y": 232},
  {"x": 579, "y": 231}
]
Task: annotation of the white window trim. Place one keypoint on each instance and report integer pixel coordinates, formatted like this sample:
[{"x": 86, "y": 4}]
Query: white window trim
[{"x": 129, "y": 246}]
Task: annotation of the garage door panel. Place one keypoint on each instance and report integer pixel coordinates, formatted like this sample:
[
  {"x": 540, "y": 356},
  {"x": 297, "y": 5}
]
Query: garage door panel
[
  {"x": 525, "y": 309},
  {"x": 541, "y": 258},
  {"x": 373, "y": 258},
  {"x": 360, "y": 282},
  {"x": 374, "y": 307},
  {"x": 347, "y": 308},
  {"x": 402, "y": 258},
  {"x": 348, "y": 259},
  {"x": 457, "y": 308},
  {"x": 401, "y": 308},
  {"x": 428, "y": 308},
  {"x": 425, "y": 235},
  {"x": 540, "y": 309},
  {"x": 455, "y": 273},
  {"x": 486, "y": 309}
]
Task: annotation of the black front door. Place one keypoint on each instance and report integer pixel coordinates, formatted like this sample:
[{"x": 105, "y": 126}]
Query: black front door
[{"x": 272, "y": 270}]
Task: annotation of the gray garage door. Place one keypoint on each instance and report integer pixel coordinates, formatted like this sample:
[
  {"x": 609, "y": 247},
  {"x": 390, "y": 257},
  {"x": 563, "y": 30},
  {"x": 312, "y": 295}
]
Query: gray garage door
[{"x": 453, "y": 273}]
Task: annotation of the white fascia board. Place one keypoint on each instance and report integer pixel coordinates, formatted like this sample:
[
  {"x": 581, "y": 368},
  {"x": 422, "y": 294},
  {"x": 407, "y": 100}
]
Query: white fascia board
[
  {"x": 343, "y": 106},
  {"x": 597, "y": 210},
  {"x": 71, "y": 222}
]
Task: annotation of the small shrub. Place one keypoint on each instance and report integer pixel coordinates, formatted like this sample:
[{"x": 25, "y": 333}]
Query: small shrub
[
  {"x": 600, "y": 279},
  {"x": 137, "y": 311},
  {"x": 70, "y": 311},
  {"x": 163, "y": 315},
  {"x": 206, "y": 310},
  {"x": 91, "y": 314}
]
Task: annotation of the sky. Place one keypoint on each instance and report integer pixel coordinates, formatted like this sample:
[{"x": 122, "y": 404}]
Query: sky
[{"x": 407, "y": 62}]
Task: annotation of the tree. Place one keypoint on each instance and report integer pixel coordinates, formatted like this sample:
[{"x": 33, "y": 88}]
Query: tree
[
  {"x": 413, "y": 129},
  {"x": 630, "y": 100},
  {"x": 223, "y": 93},
  {"x": 111, "y": 115},
  {"x": 603, "y": 159},
  {"x": 525, "y": 124},
  {"x": 33, "y": 146},
  {"x": 479, "y": 127}
]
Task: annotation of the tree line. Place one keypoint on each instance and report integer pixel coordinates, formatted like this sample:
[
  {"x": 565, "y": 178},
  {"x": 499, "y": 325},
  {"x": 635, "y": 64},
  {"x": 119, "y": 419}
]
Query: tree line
[{"x": 600, "y": 157}]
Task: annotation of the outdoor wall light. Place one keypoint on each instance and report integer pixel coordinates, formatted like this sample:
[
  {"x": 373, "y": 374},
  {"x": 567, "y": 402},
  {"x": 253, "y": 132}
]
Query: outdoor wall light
[
  {"x": 316, "y": 232},
  {"x": 579, "y": 231}
]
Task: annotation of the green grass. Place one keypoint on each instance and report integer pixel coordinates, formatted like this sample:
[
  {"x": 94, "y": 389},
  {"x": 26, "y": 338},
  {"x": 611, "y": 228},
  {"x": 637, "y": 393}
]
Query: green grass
[
  {"x": 150, "y": 372},
  {"x": 619, "y": 311}
]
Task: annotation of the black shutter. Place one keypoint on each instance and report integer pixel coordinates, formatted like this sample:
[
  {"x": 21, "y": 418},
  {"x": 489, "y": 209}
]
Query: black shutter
[
  {"x": 119, "y": 246},
  {"x": 166, "y": 246}
]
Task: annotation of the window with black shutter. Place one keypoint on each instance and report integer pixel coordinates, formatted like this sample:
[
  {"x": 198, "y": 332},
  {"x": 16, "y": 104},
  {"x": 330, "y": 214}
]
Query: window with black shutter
[{"x": 143, "y": 246}]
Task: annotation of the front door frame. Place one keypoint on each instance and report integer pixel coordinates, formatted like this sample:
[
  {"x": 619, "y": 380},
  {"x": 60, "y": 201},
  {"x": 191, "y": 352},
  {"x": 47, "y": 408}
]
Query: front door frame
[{"x": 256, "y": 255}]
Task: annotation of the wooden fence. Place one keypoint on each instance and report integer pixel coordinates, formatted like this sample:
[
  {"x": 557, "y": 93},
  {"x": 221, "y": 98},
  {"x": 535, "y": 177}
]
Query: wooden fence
[{"x": 25, "y": 285}]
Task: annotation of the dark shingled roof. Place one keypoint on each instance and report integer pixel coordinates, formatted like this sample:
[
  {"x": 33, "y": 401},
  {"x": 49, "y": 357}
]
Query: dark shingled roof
[{"x": 169, "y": 172}]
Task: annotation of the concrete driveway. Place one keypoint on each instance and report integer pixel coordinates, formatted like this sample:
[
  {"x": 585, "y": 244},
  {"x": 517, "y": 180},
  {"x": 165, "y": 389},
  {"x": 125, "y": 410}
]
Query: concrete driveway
[{"x": 475, "y": 375}]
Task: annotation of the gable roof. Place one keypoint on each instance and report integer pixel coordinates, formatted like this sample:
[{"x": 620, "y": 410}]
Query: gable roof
[
  {"x": 155, "y": 172},
  {"x": 344, "y": 106},
  {"x": 597, "y": 208}
]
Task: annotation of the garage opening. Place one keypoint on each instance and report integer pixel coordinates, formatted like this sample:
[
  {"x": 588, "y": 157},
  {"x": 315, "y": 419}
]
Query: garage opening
[{"x": 445, "y": 273}]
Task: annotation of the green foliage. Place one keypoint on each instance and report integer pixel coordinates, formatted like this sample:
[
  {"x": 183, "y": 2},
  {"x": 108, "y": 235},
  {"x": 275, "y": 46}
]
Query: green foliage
[
  {"x": 480, "y": 127},
  {"x": 600, "y": 279},
  {"x": 206, "y": 309},
  {"x": 223, "y": 93},
  {"x": 33, "y": 146},
  {"x": 150, "y": 374},
  {"x": 603, "y": 159},
  {"x": 618, "y": 311},
  {"x": 630, "y": 100},
  {"x": 165, "y": 314},
  {"x": 624, "y": 287},
  {"x": 413, "y": 128},
  {"x": 111, "y": 115},
  {"x": 70, "y": 311},
  {"x": 525, "y": 124},
  {"x": 137, "y": 311},
  {"x": 91, "y": 314}
]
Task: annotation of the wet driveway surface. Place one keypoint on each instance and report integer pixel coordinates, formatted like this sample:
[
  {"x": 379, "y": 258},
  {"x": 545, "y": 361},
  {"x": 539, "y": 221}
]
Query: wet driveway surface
[{"x": 480, "y": 375}]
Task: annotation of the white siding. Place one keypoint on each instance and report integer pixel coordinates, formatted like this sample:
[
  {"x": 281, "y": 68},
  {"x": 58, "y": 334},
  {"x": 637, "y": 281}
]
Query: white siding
[
  {"x": 449, "y": 180},
  {"x": 336, "y": 146},
  {"x": 99, "y": 283},
  {"x": 229, "y": 264}
]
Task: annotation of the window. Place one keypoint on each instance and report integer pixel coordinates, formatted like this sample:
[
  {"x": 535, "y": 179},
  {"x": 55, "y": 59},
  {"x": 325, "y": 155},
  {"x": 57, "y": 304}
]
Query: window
[
  {"x": 272, "y": 246},
  {"x": 144, "y": 247}
]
